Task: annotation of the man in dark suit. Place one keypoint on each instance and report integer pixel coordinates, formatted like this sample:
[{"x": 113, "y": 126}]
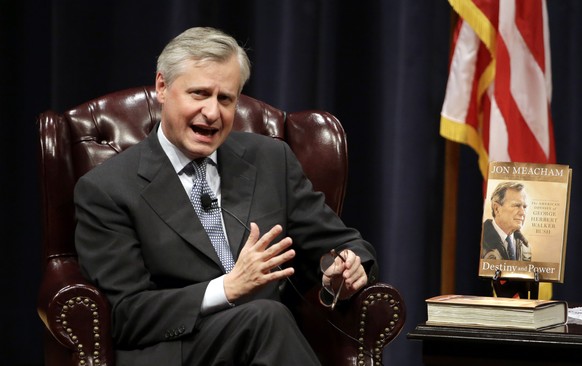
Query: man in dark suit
[
  {"x": 502, "y": 238},
  {"x": 177, "y": 296}
]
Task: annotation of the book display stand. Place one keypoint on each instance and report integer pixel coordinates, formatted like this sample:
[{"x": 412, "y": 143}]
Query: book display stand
[{"x": 527, "y": 289}]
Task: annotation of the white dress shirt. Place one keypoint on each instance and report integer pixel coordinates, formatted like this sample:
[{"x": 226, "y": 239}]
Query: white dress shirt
[
  {"x": 214, "y": 297},
  {"x": 502, "y": 235}
]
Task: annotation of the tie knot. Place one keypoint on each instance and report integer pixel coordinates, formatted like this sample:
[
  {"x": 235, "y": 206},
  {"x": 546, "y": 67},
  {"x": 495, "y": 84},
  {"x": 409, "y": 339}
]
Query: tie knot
[{"x": 199, "y": 167}]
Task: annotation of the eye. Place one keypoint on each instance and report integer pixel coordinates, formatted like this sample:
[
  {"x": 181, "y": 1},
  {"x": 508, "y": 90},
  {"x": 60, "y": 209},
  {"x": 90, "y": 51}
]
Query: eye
[
  {"x": 198, "y": 93},
  {"x": 226, "y": 100}
]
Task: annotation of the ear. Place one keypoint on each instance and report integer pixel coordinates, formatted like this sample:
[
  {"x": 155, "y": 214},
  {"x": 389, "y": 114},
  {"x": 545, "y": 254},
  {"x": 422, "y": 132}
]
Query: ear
[
  {"x": 496, "y": 208},
  {"x": 161, "y": 88}
]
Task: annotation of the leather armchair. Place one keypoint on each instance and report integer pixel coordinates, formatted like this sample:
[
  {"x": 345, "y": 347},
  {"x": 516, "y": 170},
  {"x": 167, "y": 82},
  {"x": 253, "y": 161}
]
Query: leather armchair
[{"x": 77, "y": 315}]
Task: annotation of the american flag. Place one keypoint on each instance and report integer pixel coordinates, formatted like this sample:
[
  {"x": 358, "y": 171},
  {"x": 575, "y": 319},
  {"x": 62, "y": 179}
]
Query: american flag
[{"x": 500, "y": 84}]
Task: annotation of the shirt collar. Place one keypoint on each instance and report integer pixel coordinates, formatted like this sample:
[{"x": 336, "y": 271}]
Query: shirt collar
[
  {"x": 501, "y": 233},
  {"x": 178, "y": 159}
]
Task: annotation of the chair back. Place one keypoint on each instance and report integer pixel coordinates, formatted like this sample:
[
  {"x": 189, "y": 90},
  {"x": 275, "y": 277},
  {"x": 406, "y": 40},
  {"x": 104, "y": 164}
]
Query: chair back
[{"x": 74, "y": 142}]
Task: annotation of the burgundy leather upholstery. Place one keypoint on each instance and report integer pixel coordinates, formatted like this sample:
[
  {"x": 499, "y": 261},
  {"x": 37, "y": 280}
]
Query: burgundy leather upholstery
[{"x": 77, "y": 315}]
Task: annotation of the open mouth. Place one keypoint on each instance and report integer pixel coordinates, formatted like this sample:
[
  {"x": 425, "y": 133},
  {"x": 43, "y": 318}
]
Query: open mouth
[{"x": 205, "y": 131}]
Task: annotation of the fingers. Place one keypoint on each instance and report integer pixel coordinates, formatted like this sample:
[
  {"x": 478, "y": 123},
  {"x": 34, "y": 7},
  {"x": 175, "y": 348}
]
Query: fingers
[
  {"x": 259, "y": 262},
  {"x": 253, "y": 234},
  {"x": 280, "y": 274},
  {"x": 354, "y": 273},
  {"x": 267, "y": 238},
  {"x": 356, "y": 282},
  {"x": 348, "y": 262},
  {"x": 278, "y": 258}
]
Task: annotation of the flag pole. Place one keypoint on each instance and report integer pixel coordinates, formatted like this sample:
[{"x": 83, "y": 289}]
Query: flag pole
[
  {"x": 450, "y": 199},
  {"x": 449, "y": 234}
]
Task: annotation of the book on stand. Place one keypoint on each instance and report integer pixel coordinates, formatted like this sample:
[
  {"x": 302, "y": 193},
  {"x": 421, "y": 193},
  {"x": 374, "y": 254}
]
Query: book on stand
[
  {"x": 525, "y": 221},
  {"x": 496, "y": 312}
]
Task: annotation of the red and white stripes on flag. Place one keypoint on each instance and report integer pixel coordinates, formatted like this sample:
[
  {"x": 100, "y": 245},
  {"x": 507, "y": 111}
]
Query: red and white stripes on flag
[{"x": 499, "y": 88}]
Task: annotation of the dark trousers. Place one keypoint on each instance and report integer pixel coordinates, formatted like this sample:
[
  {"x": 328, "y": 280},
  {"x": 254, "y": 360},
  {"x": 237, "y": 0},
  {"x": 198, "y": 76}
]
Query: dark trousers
[{"x": 261, "y": 332}]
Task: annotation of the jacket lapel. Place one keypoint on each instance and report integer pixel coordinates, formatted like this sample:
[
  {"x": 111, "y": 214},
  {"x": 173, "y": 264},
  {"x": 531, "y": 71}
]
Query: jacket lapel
[
  {"x": 237, "y": 177},
  {"x": 165, "y": 194}
]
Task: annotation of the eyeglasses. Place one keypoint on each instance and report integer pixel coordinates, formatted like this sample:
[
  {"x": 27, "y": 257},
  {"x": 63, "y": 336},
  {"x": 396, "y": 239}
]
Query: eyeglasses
[{"x": 329, "y": 262}]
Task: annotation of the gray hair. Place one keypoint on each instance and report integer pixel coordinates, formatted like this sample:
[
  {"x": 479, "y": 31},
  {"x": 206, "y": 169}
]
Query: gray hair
[
  {"x": 498, "y": 194},
  {"x": 201, "y": 43}
]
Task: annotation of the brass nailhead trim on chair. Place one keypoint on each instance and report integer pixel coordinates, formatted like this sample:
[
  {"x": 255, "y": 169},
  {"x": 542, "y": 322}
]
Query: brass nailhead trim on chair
[
  {"x": 381, "y": 338},
  {"x": 62, "y": 318}
]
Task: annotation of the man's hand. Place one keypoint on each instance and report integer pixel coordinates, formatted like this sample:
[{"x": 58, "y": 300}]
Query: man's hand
[
  {"x": 351, "y": 271},
  {"x": 256, "y": 263}
]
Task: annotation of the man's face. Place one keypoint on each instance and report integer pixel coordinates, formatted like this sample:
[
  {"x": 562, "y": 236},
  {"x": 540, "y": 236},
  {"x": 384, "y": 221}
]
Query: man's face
[
  {"x": 511, "y": 215},
  {"x": 198, "y": 107}
]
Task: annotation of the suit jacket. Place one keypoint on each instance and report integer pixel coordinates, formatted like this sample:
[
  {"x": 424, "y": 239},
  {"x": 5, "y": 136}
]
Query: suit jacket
[
  {"x": 139, "y": 240},
  {"x": 493, "y": 247}
]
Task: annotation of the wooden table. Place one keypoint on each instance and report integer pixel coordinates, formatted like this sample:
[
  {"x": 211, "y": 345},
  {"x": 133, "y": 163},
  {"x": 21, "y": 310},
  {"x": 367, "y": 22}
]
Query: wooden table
[{"x": 468, "y": 346}]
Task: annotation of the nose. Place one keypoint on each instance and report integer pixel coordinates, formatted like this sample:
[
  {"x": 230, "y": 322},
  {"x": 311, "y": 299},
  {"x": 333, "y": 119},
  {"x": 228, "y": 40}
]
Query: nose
[{"x": 211, "y": 110}]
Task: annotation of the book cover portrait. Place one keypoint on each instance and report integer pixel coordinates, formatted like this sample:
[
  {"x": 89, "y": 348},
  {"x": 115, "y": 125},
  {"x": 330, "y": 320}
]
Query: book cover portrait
[{"x": 525, "y": 220}]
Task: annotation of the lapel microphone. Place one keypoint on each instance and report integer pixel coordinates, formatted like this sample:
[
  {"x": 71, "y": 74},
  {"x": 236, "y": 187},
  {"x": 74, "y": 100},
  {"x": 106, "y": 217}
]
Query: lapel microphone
[{"x": 208, "y": 202}]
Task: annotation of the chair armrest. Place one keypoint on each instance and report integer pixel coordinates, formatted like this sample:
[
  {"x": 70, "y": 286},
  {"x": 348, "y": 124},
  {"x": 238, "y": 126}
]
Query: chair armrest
[
  {"x": 382, "y": 314},
  {"x": 76, "y": 313},
  {"x": 357, "y": 329}
]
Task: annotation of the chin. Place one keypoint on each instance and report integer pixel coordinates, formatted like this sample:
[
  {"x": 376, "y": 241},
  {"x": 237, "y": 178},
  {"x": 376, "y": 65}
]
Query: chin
[{"x": 197, "y": 150}]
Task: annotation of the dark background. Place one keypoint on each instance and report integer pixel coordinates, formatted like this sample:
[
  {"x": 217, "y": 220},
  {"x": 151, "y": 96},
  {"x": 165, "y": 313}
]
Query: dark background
[{"x": 379, "y": 66}]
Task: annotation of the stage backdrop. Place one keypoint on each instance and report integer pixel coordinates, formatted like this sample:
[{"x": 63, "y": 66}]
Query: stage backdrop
[{"x": 379, "y": 66}]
